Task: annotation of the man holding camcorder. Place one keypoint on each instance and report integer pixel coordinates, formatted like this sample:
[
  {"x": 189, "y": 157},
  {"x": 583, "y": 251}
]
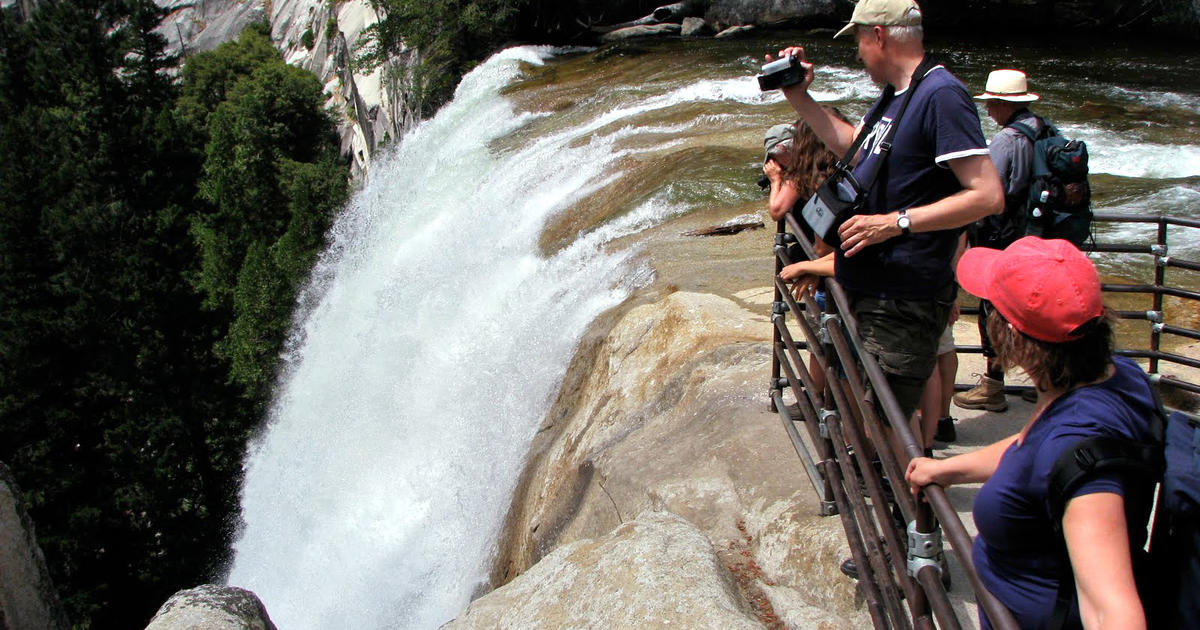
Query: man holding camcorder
[{"x": 916, "y": 171}]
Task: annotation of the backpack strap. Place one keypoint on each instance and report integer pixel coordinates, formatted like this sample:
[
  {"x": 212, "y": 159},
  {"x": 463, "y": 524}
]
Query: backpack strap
[
  {"x": 844, "y": 165},
  {"x": 1093, "y": 456}
]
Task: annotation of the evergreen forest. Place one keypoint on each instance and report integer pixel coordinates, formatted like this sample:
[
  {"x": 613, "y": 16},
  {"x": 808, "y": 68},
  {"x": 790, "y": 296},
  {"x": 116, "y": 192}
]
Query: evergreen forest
[{"x": 156, "y": 223}]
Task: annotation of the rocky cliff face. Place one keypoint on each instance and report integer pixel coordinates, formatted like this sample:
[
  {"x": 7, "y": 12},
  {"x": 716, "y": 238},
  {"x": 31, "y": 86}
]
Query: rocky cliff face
[
  {"x": 666, "y": 412},
  {"x": 27, "y": 596},
  {"x": 320, "y": 36}
]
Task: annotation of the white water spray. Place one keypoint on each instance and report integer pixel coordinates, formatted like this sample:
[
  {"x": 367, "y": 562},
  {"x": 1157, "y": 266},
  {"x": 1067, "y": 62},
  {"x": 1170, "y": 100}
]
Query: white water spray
[{"x": 434, "y": 338}]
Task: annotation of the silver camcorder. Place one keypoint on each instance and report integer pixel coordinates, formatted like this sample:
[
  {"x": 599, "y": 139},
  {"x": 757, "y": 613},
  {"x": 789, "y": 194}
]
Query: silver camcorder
[{"x": 781, "y": 73}]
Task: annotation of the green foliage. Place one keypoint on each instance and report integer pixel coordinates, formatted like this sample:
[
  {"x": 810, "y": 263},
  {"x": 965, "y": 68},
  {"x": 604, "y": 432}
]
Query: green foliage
[
  {"x": 152, "y": 239},
  {"x": 270, "y": 144},
  {"x": 450, "y": 36},
  {"x": 308, "y": 38}
]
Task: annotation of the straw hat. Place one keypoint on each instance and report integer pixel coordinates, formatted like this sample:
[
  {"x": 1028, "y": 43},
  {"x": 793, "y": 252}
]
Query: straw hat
[{"x": 1007, "y": 85}]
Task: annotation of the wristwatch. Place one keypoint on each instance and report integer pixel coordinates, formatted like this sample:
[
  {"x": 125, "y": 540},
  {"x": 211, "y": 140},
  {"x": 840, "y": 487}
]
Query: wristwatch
[{"x": 904, "y": 223}]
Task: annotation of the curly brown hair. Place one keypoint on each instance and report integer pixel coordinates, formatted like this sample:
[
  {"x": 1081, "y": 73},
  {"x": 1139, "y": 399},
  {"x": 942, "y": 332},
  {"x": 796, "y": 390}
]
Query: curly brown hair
[
  {"x": 1062, "y": 365},
  {"x": 811, "y": 162}
]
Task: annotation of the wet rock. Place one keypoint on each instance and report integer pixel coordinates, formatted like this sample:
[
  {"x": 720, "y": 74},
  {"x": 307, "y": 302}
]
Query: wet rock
[
  {"x": 735, "y": 31},
  {"x": 694, "y": 27},
  {"x": 655, "y": 571},
  {"x": 759, "y": 12},
  {"x": 643, "y": 30},
  {"x": 27, "y": 596},
  {"x": 212, "y": 607}
]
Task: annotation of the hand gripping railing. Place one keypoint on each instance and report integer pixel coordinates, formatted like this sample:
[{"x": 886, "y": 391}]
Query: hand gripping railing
[{"x": 889, "y": 568}]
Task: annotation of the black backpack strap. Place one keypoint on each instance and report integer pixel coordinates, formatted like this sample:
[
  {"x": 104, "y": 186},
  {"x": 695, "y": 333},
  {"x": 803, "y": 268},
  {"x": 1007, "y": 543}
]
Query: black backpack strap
[
  {"x": 1025, "y": 130},
  {"x": 861, "y": 188},
  {"x": 1092, "y": 456},
  {"x": 1097, "y": 455}
]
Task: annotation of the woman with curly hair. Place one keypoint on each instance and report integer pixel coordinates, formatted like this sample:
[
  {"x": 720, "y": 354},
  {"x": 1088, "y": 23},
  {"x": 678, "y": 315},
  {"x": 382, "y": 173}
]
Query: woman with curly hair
[{"x": 1049, "y": 320}]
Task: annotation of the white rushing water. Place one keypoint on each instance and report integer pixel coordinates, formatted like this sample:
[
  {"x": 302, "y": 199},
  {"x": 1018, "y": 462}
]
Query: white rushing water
[{"x": 432, "y": 341}]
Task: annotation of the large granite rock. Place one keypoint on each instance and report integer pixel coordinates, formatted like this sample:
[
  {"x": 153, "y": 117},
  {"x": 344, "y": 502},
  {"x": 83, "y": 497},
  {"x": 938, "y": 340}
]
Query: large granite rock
[
  {"x": 27, "y": 597},
  {"x": 667, "y": 411},
  {"x": 736, "y": 12},
  {"x": 656, "y": 571},
  {"x": 212, "y": 607}
]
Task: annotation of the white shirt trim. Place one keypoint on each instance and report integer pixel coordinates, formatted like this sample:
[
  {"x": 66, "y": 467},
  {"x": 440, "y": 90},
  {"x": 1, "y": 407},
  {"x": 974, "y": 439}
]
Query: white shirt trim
[{"x": 942, "y": 159}]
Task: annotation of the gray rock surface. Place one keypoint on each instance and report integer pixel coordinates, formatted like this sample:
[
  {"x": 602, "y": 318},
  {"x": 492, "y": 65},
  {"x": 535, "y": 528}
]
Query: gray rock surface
[
  {"x": 642, "y": 30},
  {"x": 212, "y": 607},
  {"x": 201, "y": 25},
  {"x": 656, "y": 571},
  {"x": 694, "y": 27},
  {"x": 28, "y": 600},
  {"x": 667, "y": 412},
  {"x": 735, "y": 31},
  {"x": 739, "y": 12}
]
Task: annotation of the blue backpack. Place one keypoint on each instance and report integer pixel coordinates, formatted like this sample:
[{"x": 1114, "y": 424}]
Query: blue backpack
[{"x": 1059, "y": 204}]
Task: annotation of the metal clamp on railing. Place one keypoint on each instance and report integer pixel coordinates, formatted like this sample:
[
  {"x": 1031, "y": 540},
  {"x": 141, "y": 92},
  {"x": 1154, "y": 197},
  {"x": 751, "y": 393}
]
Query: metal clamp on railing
[
  {"x": 827, "y": 414},
  {"x": 1154, "y": 316},
  {"x": 778, "y": 309},
  {"x": 924, "y": 549},
  {"x": 784, "y": 238},
  {"x": 826, "y": 319}
]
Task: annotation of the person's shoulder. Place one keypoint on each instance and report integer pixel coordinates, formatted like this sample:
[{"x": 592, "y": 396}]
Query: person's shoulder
[{"x": 940, "y": 78}]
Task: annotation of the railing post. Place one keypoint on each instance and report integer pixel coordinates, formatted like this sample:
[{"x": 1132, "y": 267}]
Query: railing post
[
  {"x": 1160, "y": 271},
  {"x": 776, "y": 342}
]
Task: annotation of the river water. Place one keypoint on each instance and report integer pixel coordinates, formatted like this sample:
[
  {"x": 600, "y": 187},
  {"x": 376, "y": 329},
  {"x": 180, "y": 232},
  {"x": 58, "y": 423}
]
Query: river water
[{"x": 438, "y": 325}]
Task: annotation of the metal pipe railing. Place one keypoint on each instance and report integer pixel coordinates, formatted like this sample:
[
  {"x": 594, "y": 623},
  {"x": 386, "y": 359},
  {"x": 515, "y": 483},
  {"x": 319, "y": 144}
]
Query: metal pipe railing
[{"x": 843, "y": 428}]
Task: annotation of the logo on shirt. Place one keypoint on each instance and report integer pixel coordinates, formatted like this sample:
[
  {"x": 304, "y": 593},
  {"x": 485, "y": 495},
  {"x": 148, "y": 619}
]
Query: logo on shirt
[{"x": 875, "y": 139}]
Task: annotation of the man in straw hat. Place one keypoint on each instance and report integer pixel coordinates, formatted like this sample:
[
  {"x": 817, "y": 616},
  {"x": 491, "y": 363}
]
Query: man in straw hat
[
  {"x": 1007, "y": 98},
  {"x": 895, "y": 255}
]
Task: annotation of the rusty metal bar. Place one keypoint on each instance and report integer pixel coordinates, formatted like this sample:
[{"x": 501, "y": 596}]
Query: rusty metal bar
[{"x": 810, "y": 467}]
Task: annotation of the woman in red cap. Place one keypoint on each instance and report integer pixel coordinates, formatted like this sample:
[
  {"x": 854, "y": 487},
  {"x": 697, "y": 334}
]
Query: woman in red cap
[{"x": 1050, "y": 321}]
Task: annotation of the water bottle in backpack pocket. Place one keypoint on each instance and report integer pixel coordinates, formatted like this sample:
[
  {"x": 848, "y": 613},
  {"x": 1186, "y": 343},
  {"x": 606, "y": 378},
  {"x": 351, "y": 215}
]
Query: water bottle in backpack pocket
[{"x": 1060, "y": 200}]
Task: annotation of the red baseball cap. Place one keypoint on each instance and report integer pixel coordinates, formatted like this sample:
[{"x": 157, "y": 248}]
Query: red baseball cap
[{"x": 1045, "y": 288}]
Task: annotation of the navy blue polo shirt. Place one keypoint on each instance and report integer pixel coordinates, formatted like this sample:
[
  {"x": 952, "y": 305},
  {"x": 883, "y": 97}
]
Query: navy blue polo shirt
[{"x": 940, "y": 124}]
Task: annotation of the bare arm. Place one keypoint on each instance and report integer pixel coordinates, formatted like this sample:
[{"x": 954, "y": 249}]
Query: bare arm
[
  {"x": 1098, "y": 544},
  {"x": 784, "y": 192},
  {"x": 973, "y": 467},
  {"x": 835, "y": 133},
  {"x": 981, "y": 195},
  {"x": 807, "y": 273}
]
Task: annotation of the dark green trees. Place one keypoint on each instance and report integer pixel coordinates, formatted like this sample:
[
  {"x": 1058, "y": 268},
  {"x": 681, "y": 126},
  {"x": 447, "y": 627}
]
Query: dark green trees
[
  {"x": 271, "y": 178},
  {"x": 152, "y": 238}
]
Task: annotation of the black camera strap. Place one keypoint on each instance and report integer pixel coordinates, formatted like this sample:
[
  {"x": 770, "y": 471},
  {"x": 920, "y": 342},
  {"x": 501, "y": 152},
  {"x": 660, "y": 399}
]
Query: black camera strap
[{"x": 844, "y": 166}]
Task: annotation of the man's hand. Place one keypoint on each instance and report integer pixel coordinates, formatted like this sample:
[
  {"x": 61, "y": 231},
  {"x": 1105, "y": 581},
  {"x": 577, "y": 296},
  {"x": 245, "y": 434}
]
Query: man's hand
[
  {"x": 798, "y": 53},
  {"x": 864, "y": 230}
]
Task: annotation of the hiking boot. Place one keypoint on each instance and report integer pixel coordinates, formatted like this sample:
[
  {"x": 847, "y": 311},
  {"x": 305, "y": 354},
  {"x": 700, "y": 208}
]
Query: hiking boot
[
  {"x": 945, "y": 430},
  {"x": 988, "y": 394},
  {"x": 1029, "y": 395}
]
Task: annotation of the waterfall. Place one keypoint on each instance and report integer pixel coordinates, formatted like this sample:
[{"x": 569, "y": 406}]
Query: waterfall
[{"x": 429, "y": 346}]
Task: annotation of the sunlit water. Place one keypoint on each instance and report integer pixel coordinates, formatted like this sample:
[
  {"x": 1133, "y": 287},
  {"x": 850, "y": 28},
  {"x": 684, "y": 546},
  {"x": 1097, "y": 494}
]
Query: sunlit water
[{"x": 438, "y": 326}]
